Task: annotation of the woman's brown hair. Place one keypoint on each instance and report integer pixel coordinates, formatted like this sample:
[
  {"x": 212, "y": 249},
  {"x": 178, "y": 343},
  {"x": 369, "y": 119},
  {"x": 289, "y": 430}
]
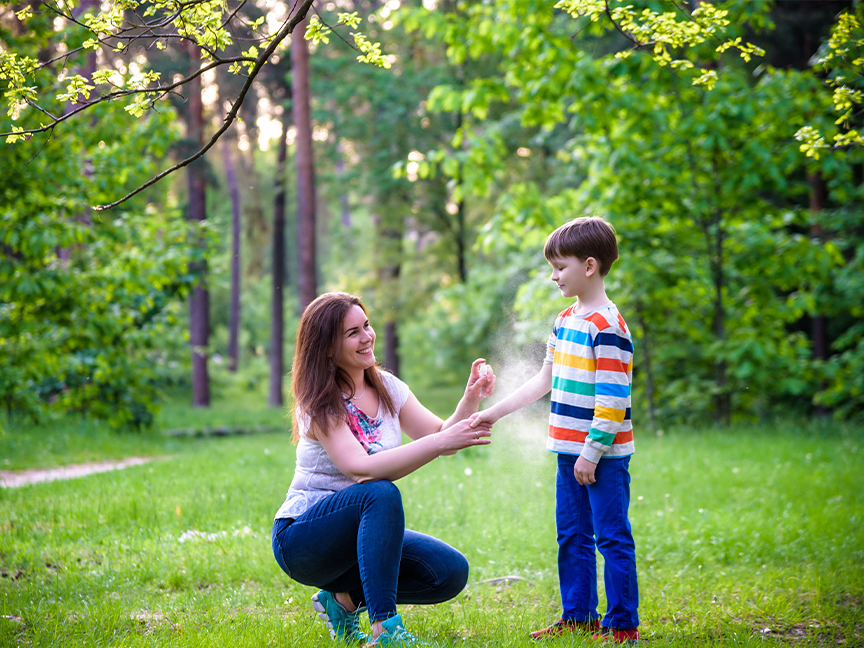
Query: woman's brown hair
[{"x": 317, "y": 383}]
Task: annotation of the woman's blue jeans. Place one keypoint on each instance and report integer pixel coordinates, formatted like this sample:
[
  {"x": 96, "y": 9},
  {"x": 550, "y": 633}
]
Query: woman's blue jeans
[
  {"x": 355, "y": 541},
  {"x": 590, "y": 518}
]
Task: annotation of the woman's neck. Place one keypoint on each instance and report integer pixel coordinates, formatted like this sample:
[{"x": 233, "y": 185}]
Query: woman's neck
[{"x": 359, "y": 380}]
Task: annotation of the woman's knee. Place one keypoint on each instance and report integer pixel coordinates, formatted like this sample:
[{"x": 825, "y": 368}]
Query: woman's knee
[
  {"x": 383, "y": 491},
  {"x": 384, "y": 498},
  {"x": 455, "y": 577}
]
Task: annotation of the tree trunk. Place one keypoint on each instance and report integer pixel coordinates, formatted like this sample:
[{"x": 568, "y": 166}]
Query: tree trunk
[
  {"x": 344, "y": 205},
  {"x": 817, "y": 204},
  {"x": 391, "y": 354},
  {"x": 199, "y": 300},
  {"x": 391, "y": 228},
  {"x": 460, "y": 241},
  {"x": 84, "y": 217},
  {"x": 234, "y": 315},
  {"x": 715, "y": 239},
  {"x": 818, "y": 332},
  {"x": 306, "y": 279},
  {"x": 277, "y": 328}
]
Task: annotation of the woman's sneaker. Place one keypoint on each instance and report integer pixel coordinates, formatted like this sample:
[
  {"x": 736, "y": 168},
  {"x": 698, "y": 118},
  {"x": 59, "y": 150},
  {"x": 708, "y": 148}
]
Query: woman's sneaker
[
  {"x": 342, "y": 624},
  {"x": 395, "y": 636}
]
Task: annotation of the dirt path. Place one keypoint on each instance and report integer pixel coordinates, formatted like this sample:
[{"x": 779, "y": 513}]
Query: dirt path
[{"x": 15, "y": 478}]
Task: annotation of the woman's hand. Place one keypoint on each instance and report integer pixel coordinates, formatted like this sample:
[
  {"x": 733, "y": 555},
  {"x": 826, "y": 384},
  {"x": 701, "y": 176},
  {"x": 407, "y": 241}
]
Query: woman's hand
[
  {"x": 480, "y": 387},
  {"x": 461, "y": 435}
]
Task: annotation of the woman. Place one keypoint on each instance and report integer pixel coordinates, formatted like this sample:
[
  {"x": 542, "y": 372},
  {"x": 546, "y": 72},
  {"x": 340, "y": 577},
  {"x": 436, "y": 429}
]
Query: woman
[{"x": 342, "y": 526}]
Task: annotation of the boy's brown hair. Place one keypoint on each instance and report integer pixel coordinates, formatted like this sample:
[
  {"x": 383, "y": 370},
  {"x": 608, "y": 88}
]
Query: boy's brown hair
[{"x": 587, "y": 236}]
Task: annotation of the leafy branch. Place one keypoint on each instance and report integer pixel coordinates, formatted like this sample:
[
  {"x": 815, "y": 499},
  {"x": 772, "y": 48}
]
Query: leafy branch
[
  {"x": 842, "y": 59},
  {"x": 205, "y": 24},
  {"x": 664, "y": 32}
]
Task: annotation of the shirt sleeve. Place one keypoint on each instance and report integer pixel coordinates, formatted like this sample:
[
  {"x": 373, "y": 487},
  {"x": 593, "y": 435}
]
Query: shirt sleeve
[
  {"x": 613, "y": 353},
  {"x": 399, "y": 391},
  {"x": 550, "y": 344}
]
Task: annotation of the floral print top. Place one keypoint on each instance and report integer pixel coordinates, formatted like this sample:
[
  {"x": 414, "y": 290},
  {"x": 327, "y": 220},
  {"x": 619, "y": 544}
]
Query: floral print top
[{"x": 365, "y": 429}]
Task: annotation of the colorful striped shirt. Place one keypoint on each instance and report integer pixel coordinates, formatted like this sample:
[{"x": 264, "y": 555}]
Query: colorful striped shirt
[{"x": 592, "y": 368}]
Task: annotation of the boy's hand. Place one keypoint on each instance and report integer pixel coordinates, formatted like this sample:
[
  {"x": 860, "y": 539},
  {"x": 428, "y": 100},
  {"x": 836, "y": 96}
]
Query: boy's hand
[
  {"x": 485, "y": 418},
  {"x": 584, "y": 471}
]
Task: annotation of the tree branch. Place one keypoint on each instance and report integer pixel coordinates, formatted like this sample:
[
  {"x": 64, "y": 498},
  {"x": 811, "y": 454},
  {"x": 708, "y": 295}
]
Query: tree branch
[
  {"x": 283, "y": 33},
  {"x": 131, "y": 91}
]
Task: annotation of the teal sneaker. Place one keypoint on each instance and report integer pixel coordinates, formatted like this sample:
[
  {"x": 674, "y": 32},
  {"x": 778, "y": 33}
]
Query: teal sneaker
[
  {"x": 396, "y": 636},
  {"x": 343, "y": 625}
]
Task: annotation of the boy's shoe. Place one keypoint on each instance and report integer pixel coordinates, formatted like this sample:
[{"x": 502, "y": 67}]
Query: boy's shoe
[
  {"x": 342, "y": 624},
  {"x": 395, "y": 636},
  {"x": 627, "y": 636},
  {"x": 561, "y": 627}
]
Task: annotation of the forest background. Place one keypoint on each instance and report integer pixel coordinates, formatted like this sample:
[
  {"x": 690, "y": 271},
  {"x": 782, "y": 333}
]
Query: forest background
[{"x": 436, "y": 180}]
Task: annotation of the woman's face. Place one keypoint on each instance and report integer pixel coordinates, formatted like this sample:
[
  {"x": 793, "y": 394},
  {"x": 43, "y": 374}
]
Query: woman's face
[{"x": 358, "y": 342}]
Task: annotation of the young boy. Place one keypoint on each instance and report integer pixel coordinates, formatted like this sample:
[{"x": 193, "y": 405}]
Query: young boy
[{"x": 588, "y": 367}]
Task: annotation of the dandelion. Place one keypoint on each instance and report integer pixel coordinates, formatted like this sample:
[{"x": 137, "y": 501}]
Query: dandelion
[{"x": 469, "y": 472}]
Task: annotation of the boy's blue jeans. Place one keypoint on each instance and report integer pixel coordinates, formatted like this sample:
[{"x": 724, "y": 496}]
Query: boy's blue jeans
[
  {"x": 583, "y": 513},
  {"x": 355, "y": 541}
]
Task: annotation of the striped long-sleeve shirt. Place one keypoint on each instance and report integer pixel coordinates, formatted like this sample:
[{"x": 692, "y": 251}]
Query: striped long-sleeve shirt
[{"x": 592, "y": 368}]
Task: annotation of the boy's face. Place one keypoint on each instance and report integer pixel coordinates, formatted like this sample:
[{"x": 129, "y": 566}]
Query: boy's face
[{"x": 571, "y": 274}]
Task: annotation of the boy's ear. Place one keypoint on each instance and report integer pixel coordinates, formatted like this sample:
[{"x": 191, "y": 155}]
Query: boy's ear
[{"x": 591, "y": 266}]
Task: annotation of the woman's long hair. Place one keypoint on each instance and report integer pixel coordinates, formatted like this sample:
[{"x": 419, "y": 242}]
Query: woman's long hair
[{"x": 317, "y": 383}]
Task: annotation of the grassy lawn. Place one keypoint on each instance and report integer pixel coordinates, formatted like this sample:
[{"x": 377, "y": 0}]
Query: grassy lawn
[{"x": 746, "y": 537}]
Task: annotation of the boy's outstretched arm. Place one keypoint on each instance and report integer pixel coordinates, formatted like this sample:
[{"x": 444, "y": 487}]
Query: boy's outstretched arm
[{"x": 535, "y": 388}]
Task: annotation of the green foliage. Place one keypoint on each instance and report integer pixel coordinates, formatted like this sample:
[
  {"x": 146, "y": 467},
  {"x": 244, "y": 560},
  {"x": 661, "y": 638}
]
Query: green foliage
[
  {"x": 703, "y": 181},
  {"x": 462, "y": 322},
  {"x": 89, "y": 334},
  {"x": 90, "y": 303},
  {"x": 841, "y": 59}
]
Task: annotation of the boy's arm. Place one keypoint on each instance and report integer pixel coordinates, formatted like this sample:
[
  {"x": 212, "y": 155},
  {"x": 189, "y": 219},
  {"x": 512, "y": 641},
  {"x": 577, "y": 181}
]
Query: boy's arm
[
  {"x": 535, "y": 388},
  {"x": 613, "y": 351}
]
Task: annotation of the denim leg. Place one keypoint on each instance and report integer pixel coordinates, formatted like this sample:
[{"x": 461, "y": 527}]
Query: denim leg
[
  {"x": 577, "y": 558},
  {"x": 610, "y": 501},
  {"x": 431, "y": 571},
  {"x": 348, "y": 542}
]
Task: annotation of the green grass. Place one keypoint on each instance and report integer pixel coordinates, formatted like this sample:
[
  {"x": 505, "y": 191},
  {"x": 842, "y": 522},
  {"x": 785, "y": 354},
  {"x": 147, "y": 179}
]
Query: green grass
[{"x": 737, "y": 531}]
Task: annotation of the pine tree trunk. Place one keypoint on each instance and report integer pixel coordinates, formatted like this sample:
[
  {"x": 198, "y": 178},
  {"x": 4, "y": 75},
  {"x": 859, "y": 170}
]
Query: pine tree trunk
[
  {"x": 716, "y": 240},
  {"x": 306, "y": 275},
  {"x": 391, "y": 339},
  {"x": 199, "y": 300},
  {"x": 818, "y": 331},
  {"x": 236, "y": 274},
  {"x": 817, "y": 204},
  {"x": 277, "y": 327}
]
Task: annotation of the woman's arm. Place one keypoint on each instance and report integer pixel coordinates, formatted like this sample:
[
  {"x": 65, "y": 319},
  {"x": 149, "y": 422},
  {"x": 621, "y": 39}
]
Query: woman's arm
[{"x": 351, "y": 459}]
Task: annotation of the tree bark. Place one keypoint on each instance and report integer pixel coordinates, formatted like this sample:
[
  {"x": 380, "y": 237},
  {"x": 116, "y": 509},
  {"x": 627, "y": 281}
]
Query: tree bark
[
  {"x": 84, "y": 217},
  {"x": 277, "y": 329},
  {"x": 199, "y": 300},
  {"x": 236, "y": 274},
  {"x": 715, "y": 237},
  {"x": 818, "y": 332},
  {"x": 391, "y": 340},
  {"x": 817, "y": 204},
  {"x": 306, "y": 275}
]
